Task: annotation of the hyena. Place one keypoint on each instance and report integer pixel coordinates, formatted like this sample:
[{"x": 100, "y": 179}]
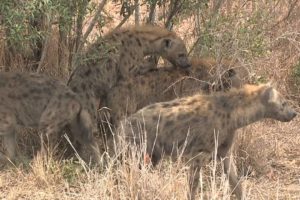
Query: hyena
[
  {"x": 165, "y": 84},
  {"x": 119, "y": 55},
  {"x": 192, "y": 124},
  {"x": 38, "y": 101}
]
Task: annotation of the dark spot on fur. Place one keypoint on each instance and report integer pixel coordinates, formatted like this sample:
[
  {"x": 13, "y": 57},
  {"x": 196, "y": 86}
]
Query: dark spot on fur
[
  {"x": 152, "y": 106},
  {"x": 83, "y": 86},
  {"x": 138, "y": 41},
  {"x": 35, "y": 90},
  {"x": 165, "y": 105},
  {"x": 109, "y": 67},
  {"x": 205, "y": 119},
  {"x": 123, "y": 43},
  {"x": 131, "y": 68},
  {"x": 25, "y": 95},
  {"x": 169, "y": 123},
  {"x": 75, "y": 89},
  {"x": 122, "y": 55},
  {"x": 143, "y": 82},
  {"x": 131, "y": 55},
  {"x": 155, "y": 118},
  {"x": 12, "y": 96},
  {"x": 173, "y": 104},
  {"x": 223, "y": 123},
  {"x": 194, "y": 121},
  {"x": 183, "y": 117},
  {"x": 88, "y": 72},
  {"x": 180, "y": 143},
  {"x": 209, "y": 107},
  {"x": 228, "y": 115}
]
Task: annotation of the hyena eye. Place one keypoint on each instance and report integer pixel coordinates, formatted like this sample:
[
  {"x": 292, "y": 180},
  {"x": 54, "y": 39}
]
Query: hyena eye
[{"x": 284, "y": 104}]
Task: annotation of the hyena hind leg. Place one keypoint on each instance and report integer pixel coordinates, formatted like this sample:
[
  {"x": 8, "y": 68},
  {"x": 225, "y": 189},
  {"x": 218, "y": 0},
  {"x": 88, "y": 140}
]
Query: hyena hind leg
[
  {"x": 7, "y": 130},
  {"x": 54, "y": 119},
  {"x": 84, "y": 128}
]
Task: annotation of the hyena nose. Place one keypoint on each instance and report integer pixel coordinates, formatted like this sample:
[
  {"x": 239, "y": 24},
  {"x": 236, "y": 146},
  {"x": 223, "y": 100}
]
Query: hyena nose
[{"x": 293, "y": 114}]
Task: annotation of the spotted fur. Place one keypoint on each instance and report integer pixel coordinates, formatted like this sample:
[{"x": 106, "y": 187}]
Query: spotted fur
[
  {"x": 37, "y": 101},
  {"x": 193, "y": 123},
  {"x": 165, "y": 84}
]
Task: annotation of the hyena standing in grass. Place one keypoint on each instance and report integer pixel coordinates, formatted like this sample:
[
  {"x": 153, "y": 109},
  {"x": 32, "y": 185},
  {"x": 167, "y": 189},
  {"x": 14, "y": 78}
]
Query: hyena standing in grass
[
  {"x": 193, "y": 123},
  {"x": 119, "y": 55},
  {"x": 37, "y": 101}
]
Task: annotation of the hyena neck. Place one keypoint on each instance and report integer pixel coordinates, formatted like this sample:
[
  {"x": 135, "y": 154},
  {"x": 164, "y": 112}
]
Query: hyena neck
[
  {"x": 145, "y": 42},
  {"x": 247, "y": 111},
  {"x": 85, "y": 88}
]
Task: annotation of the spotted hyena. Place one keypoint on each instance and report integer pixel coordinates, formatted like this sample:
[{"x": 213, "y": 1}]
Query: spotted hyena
[
  {"x": 117, "y": 56},
  {"x": 37, "y": 101},
  {"x": 192, "y": 123},
  {"x": 165, "y": 84}
]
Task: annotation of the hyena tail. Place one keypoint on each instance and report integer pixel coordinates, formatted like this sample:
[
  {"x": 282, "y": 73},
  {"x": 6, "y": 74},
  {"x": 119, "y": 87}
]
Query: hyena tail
[{"x": 82, "y": 127}]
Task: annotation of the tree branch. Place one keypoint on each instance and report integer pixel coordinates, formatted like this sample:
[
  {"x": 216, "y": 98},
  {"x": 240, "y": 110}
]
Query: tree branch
[
  {"x": 151, "y": 17},
  {"x": 45, "y": 46},
  {"x": 175, "y": 8},
  {"x": 137, "y": 12},
  {"x": 124, "y": 20},
  {"x": 92, "y": 24},
  {"x": 88, "y": 31}
]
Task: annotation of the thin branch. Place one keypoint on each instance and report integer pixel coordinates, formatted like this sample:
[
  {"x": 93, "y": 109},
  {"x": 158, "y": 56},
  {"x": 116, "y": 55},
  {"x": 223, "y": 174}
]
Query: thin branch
[
  {"x": 92, "y": 24},
  {"x": 175, "y": 8},
  {"x": 79, "y": 24},
  {"x": 137, "y": 12},
  {"x": 45, "y": 46},
  {"x": 44, "y": 53},
  {"x": 194, "y": 46},
  {"x": 124, "y": 20},
  {"x": 88, "y": 31},
  {"x": 151, "y": 17}
]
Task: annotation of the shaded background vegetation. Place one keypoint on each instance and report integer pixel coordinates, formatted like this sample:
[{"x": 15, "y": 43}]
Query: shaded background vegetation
[{"x": 47, "y": 35}]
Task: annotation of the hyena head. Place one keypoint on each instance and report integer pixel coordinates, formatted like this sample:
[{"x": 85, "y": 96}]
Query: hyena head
[
  {"x": 82, "y": 127},
  {"x": 277, "y": 106},
  {"x": 229, "y": 79},
  {"x": 173, "y": 49}
]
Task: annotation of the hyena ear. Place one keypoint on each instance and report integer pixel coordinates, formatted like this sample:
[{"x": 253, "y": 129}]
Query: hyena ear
[
  {"x": 230, "y": 73},
  {"x": 167, "y": 43},
  {"x": 270, "y": 95}
]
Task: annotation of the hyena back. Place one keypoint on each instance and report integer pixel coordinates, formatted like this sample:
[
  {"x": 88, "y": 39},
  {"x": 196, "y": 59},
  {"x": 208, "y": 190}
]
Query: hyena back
[
  {"x": 193, "y": 122},
  {"x": 37, "y": 101},
  {"x": 165, "y": 84},
  {"x": 119, "y": 55}
]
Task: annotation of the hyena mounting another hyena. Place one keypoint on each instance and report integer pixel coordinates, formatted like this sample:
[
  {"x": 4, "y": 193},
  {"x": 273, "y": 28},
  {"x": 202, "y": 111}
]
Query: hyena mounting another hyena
[
  {"x": 37, "y": 101},
  {"x": 192, "y": 123},
  {"x": 165, "y": 84},
  {"x": 119, "y": 55}
]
